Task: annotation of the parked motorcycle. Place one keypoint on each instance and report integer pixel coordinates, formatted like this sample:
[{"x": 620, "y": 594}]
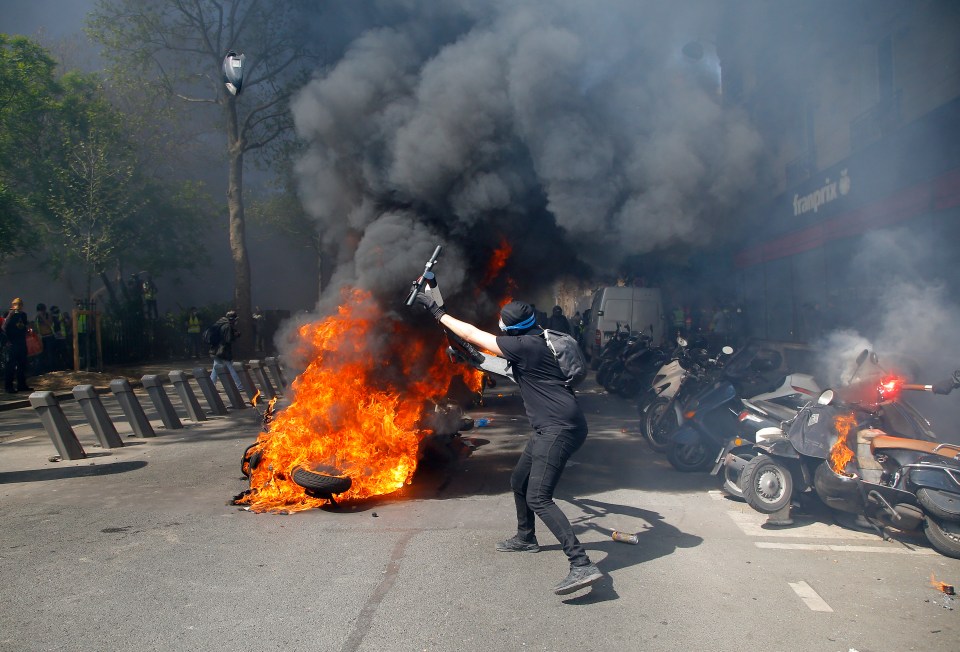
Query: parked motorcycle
[
  {"x": 609, "y": 356},
  {"x": 711, "y": 420},
  {"x": 686, "y": 371},
  {"x": 908, "y": 481},
  {"x": 641, "y": 361}
]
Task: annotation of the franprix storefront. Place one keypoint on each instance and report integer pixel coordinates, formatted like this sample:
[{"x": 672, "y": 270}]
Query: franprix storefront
[{"x": 824, "y": 254}]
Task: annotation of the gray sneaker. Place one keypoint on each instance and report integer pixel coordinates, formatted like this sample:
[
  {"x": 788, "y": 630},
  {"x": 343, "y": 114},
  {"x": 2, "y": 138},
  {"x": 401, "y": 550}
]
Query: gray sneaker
[
  {"x": 580, "y": 577},
  {"x": 516, "y": 544}
]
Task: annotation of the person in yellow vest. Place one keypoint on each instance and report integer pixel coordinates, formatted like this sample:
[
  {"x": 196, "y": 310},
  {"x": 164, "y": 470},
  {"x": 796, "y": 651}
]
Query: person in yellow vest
[
  {"x": 194, "y": 340},
  {"x": 149, "y": 291}
]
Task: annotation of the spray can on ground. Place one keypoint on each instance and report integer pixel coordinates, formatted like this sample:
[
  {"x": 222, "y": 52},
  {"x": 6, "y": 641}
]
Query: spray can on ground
[{"x": 624, "y": 537}]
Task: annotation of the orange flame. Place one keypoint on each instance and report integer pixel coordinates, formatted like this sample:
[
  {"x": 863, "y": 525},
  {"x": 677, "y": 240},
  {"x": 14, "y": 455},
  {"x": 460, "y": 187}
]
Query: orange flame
[
  {"x": 356, "y": 408},
  {"x": 498, "y": 260},
  {"x": 840, "y": 453},
  {"x": 941, "y": 586}
]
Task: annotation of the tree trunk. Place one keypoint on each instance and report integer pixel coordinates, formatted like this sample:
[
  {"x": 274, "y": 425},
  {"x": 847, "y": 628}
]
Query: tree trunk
[{"x": 242, "y": 301}]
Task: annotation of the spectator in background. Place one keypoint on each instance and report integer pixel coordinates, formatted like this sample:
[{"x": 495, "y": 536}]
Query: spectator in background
[
  {"x": 558, "y": 321},
  {"x": 15, "y": 326},
  {"x": 194, "y": 341},
  {"x": 61, "y": 331},
  {"x": 258, "y": 327},
  {"x": 43, "y": 323},
  {"x": 149, "y": 291}
]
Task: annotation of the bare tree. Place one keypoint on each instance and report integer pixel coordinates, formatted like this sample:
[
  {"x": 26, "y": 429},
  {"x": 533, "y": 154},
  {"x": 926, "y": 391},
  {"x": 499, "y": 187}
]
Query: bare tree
[{"x": 177, "y": 48}]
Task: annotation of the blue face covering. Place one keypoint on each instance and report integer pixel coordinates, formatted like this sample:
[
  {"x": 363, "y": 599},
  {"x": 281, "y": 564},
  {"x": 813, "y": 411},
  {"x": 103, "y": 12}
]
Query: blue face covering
[{"x": 525, "y": 324}]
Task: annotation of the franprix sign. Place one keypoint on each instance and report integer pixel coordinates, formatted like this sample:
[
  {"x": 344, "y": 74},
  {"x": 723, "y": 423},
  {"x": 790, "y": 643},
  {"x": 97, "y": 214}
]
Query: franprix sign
[{"x": 830, "y": 191}]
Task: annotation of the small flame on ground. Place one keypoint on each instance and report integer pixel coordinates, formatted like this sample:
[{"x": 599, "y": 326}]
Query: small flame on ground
[
  {"x": 840, "y": 453},
  {"x": 255, "y": 399},
  {"x": 941, "y": 586},
  {"x": 356, "y": 408}
]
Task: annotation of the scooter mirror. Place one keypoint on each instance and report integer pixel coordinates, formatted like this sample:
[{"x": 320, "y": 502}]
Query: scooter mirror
[
  {"x": 826, "y": 397},
  {"x": 862, "y": 357},
  {"x": 727, "y": 350},
  {"x": 682, "y": 342},
  {"x": 873, "y": 358}
]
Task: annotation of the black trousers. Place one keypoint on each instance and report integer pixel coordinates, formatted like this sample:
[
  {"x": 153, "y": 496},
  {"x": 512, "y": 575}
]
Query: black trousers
[
  {"x": 534, "y": 480},
  {"x": 15, "y": 359}
]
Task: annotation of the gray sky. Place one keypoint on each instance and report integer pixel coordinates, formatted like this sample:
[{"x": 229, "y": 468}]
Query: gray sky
[{"x": 56, "y": 18}]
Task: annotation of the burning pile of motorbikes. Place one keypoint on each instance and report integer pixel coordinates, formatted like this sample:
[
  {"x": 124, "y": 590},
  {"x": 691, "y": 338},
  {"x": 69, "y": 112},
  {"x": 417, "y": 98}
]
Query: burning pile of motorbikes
[{"x": 774, "y": 438}]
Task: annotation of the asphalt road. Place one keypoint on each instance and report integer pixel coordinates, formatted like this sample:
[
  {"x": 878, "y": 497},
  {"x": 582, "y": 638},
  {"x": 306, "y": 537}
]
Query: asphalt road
[{"x": 138, "y": 549}]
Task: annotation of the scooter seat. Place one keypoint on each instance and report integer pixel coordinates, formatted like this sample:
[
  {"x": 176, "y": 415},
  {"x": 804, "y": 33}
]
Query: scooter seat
[
  {"x": 775, "y": 410},
  {"x": 888, "y": 442}
]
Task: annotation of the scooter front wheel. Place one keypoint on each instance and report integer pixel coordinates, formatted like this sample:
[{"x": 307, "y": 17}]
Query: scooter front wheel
[
  {"x": 689, "y": 457},
  {"x": 659, "y": 423},
  {"x": 767, "y": 485}
]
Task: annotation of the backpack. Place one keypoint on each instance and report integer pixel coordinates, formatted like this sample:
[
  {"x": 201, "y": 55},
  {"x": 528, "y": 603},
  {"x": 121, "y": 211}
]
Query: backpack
[
  {"x": 211, "y": 336},
  {"x": 569, "y": 356}
]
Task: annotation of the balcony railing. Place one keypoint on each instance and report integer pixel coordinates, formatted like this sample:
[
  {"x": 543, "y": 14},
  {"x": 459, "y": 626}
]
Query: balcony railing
[{"x": 875, "y": 123}]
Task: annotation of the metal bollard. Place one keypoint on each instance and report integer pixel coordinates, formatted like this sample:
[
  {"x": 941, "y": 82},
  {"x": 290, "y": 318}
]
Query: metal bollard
[
  {"x": 57, "y": 426},
  {"x": 230, "y": 387},
  {"x": 158, "y": 395},
  {"x": 131, "y": 408},
  {"x": 265, "y": 385},
  {"x": 248, "y": 385},
  {"x": 273, "y": 364},
  {"x": 187, "y": 397},
  {"x": 96, "y": 414},
  {"x": 210, "y": 393}
]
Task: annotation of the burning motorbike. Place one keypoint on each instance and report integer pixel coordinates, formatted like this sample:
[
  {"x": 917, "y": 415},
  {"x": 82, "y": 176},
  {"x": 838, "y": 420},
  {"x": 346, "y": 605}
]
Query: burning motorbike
[{"x": 907, "y": 481}]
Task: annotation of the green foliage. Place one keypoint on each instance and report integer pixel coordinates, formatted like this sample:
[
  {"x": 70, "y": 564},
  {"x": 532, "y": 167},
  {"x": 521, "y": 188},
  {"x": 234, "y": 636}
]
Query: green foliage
[{"x": 76, "y": 184}]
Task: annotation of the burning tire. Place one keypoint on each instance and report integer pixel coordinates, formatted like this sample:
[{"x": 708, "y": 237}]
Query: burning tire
[
  {"x": 767, "y": 485},
  {"x": 659, "y": 424},
  {"x": 943, "y": 536},
  {"x": 251, "y": 459},
  {"x": 322, "y": 479}
]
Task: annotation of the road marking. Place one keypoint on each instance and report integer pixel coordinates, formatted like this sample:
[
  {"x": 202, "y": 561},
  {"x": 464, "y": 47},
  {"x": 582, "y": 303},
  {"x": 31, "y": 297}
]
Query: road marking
[
  {"x": 716, "y": 494},
  {"x": 839, "y": 548},
  {"x": 809, "y": 596},
  {"x": 751, "y": 526},
  {"x": 10, "y": 441}
]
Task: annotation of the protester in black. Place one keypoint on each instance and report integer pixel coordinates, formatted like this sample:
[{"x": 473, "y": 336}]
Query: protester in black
[
  {"x": 559, "y": 430},
  {"x": 15, "y": 329},
  {"x": 222, "y": 349}
]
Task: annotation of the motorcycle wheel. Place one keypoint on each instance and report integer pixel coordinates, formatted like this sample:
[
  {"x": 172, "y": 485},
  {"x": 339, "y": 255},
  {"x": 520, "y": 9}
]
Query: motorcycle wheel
[
  {"x": 766, "y": 484},
  {"x": 941, "y": 509},
  {"x": 732, "y": 479},
  {"x": 251, "y": 459},
  {"x": 943, "y": 536},
  {"x": 322, "y": 479},
  {"x": 603, "y": 373},
  {"x": 689, "y": 457},
  {"x": 659, "y": 423}
]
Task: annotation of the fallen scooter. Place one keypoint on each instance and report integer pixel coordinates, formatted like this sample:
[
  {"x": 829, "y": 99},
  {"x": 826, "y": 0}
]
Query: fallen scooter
[{"x": 909, "y": 483}]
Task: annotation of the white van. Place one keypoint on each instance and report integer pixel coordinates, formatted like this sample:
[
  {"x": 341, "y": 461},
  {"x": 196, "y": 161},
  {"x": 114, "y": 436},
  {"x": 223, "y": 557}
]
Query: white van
[{"x": 638, "y": 309}]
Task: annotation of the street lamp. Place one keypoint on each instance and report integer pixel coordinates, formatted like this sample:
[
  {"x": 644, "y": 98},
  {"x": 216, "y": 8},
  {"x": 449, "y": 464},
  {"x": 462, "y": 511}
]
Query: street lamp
[{"x": 233, "y": 72}]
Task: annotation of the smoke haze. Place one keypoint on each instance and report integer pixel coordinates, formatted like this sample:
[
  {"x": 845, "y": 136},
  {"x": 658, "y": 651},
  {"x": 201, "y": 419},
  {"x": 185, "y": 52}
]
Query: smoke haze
[{"x": 579, "y": 133}]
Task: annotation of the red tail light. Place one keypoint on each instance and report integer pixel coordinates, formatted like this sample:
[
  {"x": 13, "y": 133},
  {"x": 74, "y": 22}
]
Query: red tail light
[{"x": 889, "y": 388}]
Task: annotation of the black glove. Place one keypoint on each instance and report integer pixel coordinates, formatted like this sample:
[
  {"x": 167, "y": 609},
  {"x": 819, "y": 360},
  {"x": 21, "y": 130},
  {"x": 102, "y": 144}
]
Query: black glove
[
  {"x": 944, "y": 386},
  {"x": 426, "y": 299}
]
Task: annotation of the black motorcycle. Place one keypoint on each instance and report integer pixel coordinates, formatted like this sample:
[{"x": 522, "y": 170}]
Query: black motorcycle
[{"x": 840, "y": 449}]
